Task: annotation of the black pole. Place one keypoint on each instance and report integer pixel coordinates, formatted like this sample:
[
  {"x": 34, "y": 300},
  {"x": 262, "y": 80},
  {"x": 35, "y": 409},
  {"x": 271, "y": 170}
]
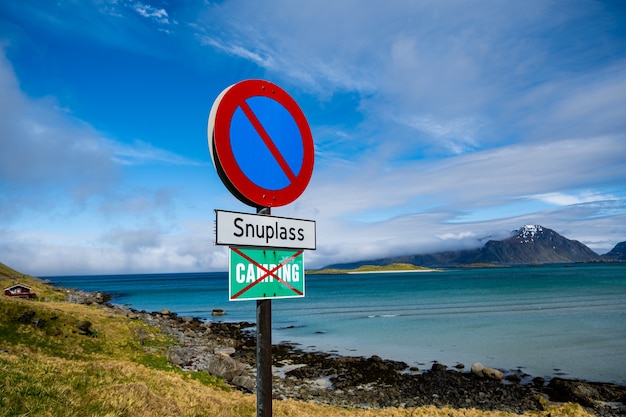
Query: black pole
[
  {"x": 264, "y": 358},
  {"x": 264, "y": 352}
]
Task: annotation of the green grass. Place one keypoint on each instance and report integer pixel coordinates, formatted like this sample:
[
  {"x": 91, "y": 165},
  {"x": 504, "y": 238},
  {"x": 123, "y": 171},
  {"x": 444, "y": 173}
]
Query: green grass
[
  {"x": 53, "y": 330},
  {"x": 49, "y": 367}
]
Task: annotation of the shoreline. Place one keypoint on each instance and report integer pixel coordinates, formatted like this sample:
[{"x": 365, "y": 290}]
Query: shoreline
[
  {"x": 101, "y": 298},
  {"x": 373, "y": 382},
  {"x": 461, "y": 362},
  {"x": 228, "y": 350},
  {"x": 423, "y": 358},
  {"x": 429, "y": 356}
]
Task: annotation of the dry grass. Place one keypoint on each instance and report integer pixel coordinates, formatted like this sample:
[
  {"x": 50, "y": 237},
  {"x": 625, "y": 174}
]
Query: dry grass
[
  {"x": 38, "y": 385},
  {"x": 296, "y": 409}
]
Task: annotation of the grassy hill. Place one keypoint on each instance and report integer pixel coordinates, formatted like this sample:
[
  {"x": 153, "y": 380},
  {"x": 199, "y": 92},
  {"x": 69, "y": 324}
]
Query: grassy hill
[
  {"x": 9, "y": 277},
  {"x": 51, "y": 366}
]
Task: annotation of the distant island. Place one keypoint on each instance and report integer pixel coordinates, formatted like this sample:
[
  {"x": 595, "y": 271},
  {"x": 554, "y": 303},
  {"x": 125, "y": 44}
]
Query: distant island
[{"x": 363, "y": 269}]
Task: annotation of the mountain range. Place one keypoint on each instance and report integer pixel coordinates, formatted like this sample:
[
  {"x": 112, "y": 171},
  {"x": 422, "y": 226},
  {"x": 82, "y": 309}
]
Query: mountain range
[{"x": 531, "y": 244}]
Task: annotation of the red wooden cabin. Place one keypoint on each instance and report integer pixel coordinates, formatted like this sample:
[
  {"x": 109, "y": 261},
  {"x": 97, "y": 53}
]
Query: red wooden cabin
[{"x": 19, "y": 290}]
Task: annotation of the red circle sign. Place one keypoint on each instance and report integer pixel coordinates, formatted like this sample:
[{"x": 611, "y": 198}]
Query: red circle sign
[{"x": 260, "y": 143}]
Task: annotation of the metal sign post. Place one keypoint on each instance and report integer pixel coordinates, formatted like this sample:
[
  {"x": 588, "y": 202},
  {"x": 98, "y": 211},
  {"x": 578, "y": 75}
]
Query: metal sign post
[
  {"x": 262, "y": 149},
  {"x": 264, "y": 352},
  {"x": 264, "y": 358}
]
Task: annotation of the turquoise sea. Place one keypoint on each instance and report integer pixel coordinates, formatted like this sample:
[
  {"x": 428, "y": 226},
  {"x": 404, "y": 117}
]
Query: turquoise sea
[{"x": 567, "y": 320}]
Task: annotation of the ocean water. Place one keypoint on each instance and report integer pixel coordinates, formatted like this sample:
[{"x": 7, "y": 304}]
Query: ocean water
[{"x": 565, "y": 320}]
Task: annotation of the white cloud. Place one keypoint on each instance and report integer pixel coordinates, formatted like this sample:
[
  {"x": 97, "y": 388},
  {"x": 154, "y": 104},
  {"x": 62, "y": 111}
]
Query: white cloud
[
  {"x": 43, "y": 146},
  {"x": 67, "y": 203},
  {"x": 456, "y": 236},
  {"x": 140, "y": 152},
  {"x": 465, "y": 75},
  {"x": 563, "y": 199},
  {"x": 472, "y": 180},
  {"x": 133, "y": 241},
  {"x": 150, "y": 12},
  {"x": 239, "y": 51},
  {"x": 139, "y": 250},
  {"x": 46, "y": 152},
  {"x": 458, "y": 135}
]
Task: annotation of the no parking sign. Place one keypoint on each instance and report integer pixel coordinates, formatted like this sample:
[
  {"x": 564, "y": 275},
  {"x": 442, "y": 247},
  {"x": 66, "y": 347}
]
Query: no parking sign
[{"x": 260, "y": 143}]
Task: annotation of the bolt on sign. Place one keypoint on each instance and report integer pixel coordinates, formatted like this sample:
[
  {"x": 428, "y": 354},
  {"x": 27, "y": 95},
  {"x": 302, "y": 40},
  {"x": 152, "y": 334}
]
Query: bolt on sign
[{"x": 257, "y": 274}]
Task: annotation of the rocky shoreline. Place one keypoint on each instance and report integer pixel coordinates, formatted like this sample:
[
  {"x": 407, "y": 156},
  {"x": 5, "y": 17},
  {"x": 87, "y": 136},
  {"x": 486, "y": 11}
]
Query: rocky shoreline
[{"x": 228, "y": 350}]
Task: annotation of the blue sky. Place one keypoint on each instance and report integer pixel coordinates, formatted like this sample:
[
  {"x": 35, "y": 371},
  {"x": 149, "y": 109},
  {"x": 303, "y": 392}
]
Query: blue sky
[{"x": 437, "y": 125}]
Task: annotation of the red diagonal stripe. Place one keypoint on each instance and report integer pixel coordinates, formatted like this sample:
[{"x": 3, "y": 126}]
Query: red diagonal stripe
[{"x": 268, "y": 141}]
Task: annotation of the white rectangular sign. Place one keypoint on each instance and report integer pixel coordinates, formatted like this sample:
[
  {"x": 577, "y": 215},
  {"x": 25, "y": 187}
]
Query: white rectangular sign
[{"x": 241, "y": 229}]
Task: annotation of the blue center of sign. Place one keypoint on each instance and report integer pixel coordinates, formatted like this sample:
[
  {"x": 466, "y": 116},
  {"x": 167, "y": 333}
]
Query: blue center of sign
[{"x": 256, "y": 160}]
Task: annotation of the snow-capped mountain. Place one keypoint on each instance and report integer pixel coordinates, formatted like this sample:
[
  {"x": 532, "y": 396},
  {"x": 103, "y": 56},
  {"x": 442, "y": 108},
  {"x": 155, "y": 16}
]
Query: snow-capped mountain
[
  {"x": 534, "y": 244},
  {"x": 531, "y": 244}
]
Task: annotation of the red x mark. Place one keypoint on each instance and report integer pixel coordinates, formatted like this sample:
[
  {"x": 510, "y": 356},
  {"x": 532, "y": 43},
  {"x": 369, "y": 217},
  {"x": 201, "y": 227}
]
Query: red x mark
[{"x": 267, "y": 272}]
